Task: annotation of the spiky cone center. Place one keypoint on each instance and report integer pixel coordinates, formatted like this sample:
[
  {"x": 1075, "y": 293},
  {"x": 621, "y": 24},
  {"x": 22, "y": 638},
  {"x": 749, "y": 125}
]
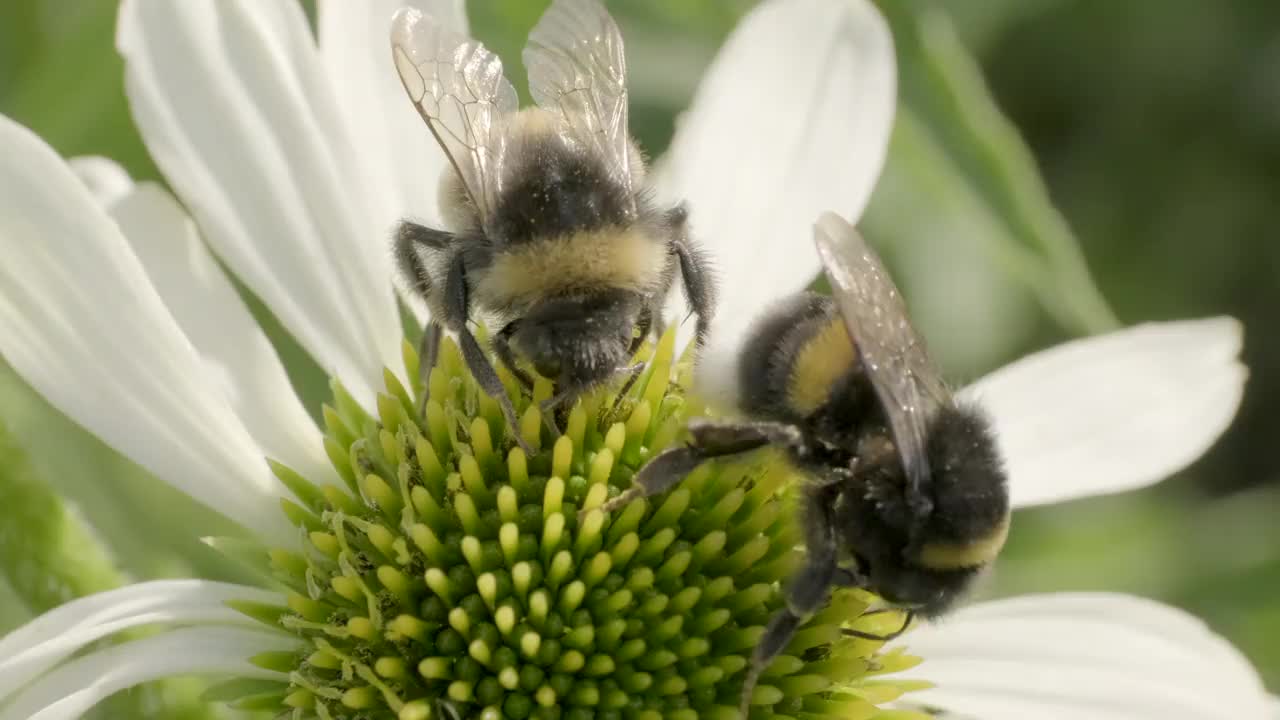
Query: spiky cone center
[{"x": 451, "y": 575}]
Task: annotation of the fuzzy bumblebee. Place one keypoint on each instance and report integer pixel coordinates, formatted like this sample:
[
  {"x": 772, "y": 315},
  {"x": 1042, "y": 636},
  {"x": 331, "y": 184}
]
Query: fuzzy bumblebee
[
  {"x": 551, "y": 231},
  {"x": 906, "y": 493}
]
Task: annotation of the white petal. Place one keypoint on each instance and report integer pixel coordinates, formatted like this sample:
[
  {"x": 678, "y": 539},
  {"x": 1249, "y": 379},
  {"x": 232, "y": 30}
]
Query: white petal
[
  {"x": 792, "y": 119},
  {"x": 1072, "y": 656},
  {"x": 236, "y": 353},
  {"x": 108, "y": 182},
  {"x": 32, "y": 649},
  {"x": 233, "y": 105},
  {"x": 1114, "y": 412},
  {"x": 72, "y": 689},
  {"x": 81, "y": 323},
  {"x": 402, "y": 162}
]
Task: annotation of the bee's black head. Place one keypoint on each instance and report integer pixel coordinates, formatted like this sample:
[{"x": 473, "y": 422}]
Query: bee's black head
[{"x": 579, "y": 340}]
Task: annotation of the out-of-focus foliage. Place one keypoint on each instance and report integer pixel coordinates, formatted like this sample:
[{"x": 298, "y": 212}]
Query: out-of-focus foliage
[{"x": 1156, "y": 131}]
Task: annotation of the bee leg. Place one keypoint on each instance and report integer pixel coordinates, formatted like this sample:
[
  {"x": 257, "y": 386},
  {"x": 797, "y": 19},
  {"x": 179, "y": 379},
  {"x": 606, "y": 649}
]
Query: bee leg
[
  {"x": 633, "y": 374},
  {"x": 553, "y": 407},
  {"x": 708, "y": 440},
  {"x": 908, "y": 617},
  {"x": 644, "y": 324},
  {"x": 455, "y": 309},
  {"x": 409, "y": 237},
  {"x": 807, "y": 592},
  {"x": 727, "y": 438},
  {"x": 502, "y": 348},
  {"x": 695, "y": 273},
  {"x": 428, "y": 353}
]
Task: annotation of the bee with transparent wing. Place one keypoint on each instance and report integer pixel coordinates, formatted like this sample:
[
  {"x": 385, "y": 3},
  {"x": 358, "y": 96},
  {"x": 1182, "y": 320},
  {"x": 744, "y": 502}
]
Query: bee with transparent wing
[
  {"x": 550, "y": 229},
  {"x": 905, "y": 493}
]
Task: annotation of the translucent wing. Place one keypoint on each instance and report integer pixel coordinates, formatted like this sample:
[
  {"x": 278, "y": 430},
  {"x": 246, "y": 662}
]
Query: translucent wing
[
  {"x": 894, "y": 357},
  {"x": 577, "y": 69},
  {"x": 460, "y": 91}
]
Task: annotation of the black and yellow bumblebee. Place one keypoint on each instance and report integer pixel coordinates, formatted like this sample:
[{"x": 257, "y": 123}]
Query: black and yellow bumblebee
[
  {"x": 906, "y": 494},
  {"x": 551, "y": 231}
]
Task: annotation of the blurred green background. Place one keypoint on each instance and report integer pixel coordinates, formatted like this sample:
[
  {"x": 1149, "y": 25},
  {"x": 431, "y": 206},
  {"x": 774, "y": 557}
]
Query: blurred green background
[{"x": 1154, "y": 128}]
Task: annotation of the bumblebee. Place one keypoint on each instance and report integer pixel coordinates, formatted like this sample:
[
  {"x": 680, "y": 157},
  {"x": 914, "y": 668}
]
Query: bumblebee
[
  {"x": 550, "y": 228},
  {"x": 906, "y": 494}
]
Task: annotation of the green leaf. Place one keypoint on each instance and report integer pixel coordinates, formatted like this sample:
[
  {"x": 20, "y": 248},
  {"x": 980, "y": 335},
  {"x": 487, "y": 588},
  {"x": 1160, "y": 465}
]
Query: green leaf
[
  {"x": 958, "y": 161},
  {"x": 48, "y": 554}
]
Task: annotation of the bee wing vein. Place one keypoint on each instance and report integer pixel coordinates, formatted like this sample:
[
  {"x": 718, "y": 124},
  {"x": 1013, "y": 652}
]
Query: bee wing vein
[
  {"x": 458, "y": 88},
  {"x": 577, "y": 69},
  {"x": 893, "y": 355}
]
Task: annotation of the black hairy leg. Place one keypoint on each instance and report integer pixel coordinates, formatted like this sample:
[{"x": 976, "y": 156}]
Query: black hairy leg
[
  {"x": 455, "y": 312},
  {"x": 707, "y": 440},
  {"x": 644, "y": 324},
  {"x": 908, "y": 617},
  {"x": 695, "y": 272},
  {"x": 808, "y": 590},
  {"x": 410, "y": 238},
  {"x": 428, "y": 353},
  {"x": 502, "y": 348}
]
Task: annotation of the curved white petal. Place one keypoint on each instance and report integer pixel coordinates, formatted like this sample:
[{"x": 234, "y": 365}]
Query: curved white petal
[
  {"x": 70, "y": 690},
  {"x": 232, "y": 102},
  {"x": 82, "y": 324},
  {"x": 792, "y": 119},
  {"x": 1083, "y": 655},
  {"x": 108, "y": 182},
  {"x": 1113, "y": 412},
  {"x": 236, "y": 353},
  {"x": 402, "y": 163},
  {"x": 29, "y": 651}
]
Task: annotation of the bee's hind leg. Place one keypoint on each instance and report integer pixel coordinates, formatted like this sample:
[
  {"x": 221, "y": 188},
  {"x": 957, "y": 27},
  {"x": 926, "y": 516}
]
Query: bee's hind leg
[
  {"x": 808, "y": 590},
  {"x": 708, "y": 440}
]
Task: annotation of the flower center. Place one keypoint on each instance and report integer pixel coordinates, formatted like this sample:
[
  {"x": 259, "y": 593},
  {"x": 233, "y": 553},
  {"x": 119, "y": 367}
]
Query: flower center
[{"x": 452, "y": 578}]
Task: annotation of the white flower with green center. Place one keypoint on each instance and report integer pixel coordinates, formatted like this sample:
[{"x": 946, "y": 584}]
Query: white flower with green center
[{"x": 413, "y": 567}]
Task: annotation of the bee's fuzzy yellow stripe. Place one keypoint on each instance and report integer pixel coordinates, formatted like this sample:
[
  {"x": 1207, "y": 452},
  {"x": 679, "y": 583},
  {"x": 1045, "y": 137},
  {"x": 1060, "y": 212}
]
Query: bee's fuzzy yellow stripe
[
  {"x": 825, "y": 358},
  {"x": 956, "y": 556},
  {"x": 623, "y": 259}
]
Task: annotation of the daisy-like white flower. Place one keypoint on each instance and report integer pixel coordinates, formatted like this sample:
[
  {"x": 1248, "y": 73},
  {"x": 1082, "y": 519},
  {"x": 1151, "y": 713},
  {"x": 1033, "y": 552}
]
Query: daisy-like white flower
[{"x": 294, "y": 160}]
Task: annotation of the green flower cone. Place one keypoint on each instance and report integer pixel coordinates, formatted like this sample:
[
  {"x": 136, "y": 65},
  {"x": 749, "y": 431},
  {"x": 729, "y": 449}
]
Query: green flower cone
[{"x": 452, "y": 577}]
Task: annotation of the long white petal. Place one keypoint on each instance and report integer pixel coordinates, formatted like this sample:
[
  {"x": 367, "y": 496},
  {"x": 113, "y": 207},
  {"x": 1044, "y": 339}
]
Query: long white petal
[
  {"x": 1114, "y": 412},
  {"x": 32, "y": 649},
  {"x": 82, "y": 324},
  {"x": 234, "y": 349},
  {"x": 72, "y": 689},
  {"x": 233, "y": 105},
  {"x": 402, "y": 162},
  {"x": 1071, "y": 656},
  {"x": 792, "y": 119}
]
